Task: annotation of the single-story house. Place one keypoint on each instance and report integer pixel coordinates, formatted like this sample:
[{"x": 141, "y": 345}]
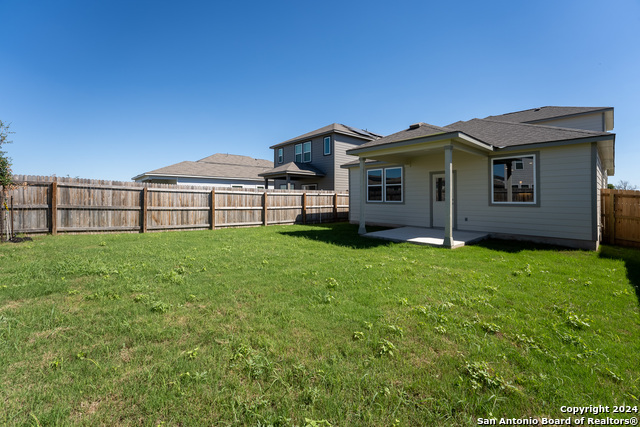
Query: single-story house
[
  {"x": 218, "y": 170},
  {"x": 533, "y": 175}
]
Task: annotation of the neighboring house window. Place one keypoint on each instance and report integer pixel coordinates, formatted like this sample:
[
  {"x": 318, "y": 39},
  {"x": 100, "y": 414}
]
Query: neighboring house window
[
  {"x": 236, "y": 186},
  {"x": 303, "y": 152},
  {"x": 384, "y": 185},
  {"x": 327, "y": 145},
  {"x": 280, "y": 155},
  {"x": 514, "y": 180},
  {"x": 260, "y": 187},
  {"x": 283, "y": 186},
  {"x": 306, "y": 152},
  {"x": 310, "y": 186}
]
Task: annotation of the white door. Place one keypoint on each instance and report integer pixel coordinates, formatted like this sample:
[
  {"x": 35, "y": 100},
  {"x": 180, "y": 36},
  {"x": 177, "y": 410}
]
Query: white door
[{"x": 439, "y": 197}]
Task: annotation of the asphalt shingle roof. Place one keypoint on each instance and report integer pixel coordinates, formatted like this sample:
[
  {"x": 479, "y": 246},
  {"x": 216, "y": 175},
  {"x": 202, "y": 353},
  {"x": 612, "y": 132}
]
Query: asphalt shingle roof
[
  {"x": 218, "y": 166},
  {"x": 493, "y": 132},
  {"x": 334, "y": 127},
  {"x": 545, "y": 113},
  {"x": 293, "y": 168}
]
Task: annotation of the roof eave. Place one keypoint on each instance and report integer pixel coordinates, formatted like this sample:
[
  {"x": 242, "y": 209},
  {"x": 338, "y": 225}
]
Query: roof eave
[
  {"x": 457, "y": 135},
  {"x": 169, "y": 175},
  {"x": 567, "y": 116},
  {"x": 315, "y": 135}
]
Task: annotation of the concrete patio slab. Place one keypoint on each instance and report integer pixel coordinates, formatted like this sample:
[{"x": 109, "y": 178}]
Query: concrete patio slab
[{"x": 427, "y": 236}]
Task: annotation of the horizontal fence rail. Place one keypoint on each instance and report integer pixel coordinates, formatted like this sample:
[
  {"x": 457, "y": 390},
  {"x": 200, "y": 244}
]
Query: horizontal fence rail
[
  {"x": 69, "y": 205},
  {"x": 620, "y": 211}
]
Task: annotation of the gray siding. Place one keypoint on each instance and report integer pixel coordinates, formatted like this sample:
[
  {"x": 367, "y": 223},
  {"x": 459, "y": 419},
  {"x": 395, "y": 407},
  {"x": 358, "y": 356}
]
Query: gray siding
[
  {"x": 601, "y": 182},
  {"x": 565, "y": 196},
  {"x": 594, "y": 122},
  {"x": 342, "y": 143},
  {"x": 336, "y": 178}
]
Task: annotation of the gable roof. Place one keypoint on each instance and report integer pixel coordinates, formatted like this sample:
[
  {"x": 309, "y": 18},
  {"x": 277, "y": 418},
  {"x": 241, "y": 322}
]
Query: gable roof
[
  {"x": 332, "y": 128},
  {"x": 508, "y": 134},
  {"x": 221, "y": 166},
  {"x": 546, "y": 113}
]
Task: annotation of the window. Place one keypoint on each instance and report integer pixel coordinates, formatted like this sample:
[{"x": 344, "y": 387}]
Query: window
[
  {"x": 514, "y": 180},
  {"x": 310, "y": 186},
  {"x": 298, "y": 151},
  {"x": 374, "y": 185},
  {"x": 440, "y": 190},
  {"x": 393, "y": 184},
  {"x": 384, "y": 185},
  {"x": 283, "y": 186},
  {"x": 327, "y": 145},
  {"x": 303, "y": 152},
  {"x": 280, "y": 155}
]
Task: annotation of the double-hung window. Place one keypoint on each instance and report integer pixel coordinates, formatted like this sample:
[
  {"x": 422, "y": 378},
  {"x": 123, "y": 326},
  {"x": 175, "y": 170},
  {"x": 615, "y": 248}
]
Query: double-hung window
[
  {"x": 384, "y": 185},
  {"x": 513, "y": 180},
  {"x": 303, "y": 152},
  {"x": 280, "y": 155}
]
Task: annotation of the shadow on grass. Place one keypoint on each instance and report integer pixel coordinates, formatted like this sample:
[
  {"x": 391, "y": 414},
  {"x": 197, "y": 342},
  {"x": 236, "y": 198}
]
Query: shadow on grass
[
  {"x": 516, "y": 246},
  {"x": 340, "y": 234},
  {"x": 631, "y": 258}
]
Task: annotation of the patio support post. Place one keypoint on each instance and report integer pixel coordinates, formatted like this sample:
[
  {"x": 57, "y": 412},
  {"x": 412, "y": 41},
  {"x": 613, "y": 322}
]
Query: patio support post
[
  {"x": 448, "y": 190},
  {"x": 288, "y": 182},
  {"x": 363, "y": 189}
]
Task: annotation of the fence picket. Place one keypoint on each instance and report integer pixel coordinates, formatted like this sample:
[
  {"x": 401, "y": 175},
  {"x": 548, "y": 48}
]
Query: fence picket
[{"x": 70, "y": 205}]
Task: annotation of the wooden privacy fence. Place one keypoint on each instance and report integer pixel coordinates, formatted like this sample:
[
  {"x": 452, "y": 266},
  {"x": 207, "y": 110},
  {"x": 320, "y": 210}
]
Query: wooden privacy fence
[
  {"x": 620, "y": 217},
  {"x": 68, "y": 205}
]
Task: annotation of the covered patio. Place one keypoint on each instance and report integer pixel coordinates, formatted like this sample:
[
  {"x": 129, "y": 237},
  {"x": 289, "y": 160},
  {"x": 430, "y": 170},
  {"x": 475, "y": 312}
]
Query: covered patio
[{"x": 428, "y": 236}]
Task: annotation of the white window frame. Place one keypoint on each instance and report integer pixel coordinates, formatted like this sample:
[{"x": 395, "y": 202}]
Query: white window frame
[
  {"x": 327, "y": 145},
  {"x": 280, "y": 155},
  {"x": 297, "y": 155},
  {"x": 535, "y": 180},
  {"x": 385, "y": 185},
  {"x": 381, "y": 185},
  {"x": 306, "y": 145}
]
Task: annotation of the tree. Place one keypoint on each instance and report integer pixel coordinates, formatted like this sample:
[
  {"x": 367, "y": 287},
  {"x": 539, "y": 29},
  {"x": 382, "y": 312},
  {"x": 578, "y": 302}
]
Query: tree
[
  {"x": 6, "y": 176},
  {"x": 625, "y": 185}
]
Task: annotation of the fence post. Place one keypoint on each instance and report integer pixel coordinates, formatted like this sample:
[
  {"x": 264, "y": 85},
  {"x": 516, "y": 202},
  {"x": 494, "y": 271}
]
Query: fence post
[
  {"x": 143, "y": 213},
  {"x": 265, "y": 208},
  {"x": 2, "y": 214},
  {"x": 304, "y": 207},
  {"x": 53, "y": 211},
  {"x": 212, "y": 220},
  {"x": 335, "y": 206}
]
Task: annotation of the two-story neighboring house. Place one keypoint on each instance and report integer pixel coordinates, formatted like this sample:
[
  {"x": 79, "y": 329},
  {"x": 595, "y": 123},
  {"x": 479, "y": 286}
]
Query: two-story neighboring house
[{"x": 312, "y": 161}]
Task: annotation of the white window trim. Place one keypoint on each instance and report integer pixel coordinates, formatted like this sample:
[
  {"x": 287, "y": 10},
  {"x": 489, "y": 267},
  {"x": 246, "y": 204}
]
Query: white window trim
[
  {"x": 535, "y": 180},
  {"x": 381, "y": 185},
  {"x": 384, "y": 183},
  {"x": 308, "y": 143},
  {"x": 295, "y": 153},
  {"x": 324, "y": 144}
]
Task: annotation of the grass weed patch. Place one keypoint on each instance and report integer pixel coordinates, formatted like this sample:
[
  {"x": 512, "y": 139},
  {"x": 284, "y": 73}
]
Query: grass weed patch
[{"x": 310, "y": 325}]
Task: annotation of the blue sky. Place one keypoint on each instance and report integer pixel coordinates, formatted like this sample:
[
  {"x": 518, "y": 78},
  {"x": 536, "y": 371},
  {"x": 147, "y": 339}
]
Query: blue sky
[{"x": 111, "y": 89}]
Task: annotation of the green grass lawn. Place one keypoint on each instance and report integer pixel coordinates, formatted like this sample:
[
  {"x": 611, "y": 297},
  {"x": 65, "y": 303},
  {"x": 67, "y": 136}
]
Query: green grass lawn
[{"x": 310, "y": 325}]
